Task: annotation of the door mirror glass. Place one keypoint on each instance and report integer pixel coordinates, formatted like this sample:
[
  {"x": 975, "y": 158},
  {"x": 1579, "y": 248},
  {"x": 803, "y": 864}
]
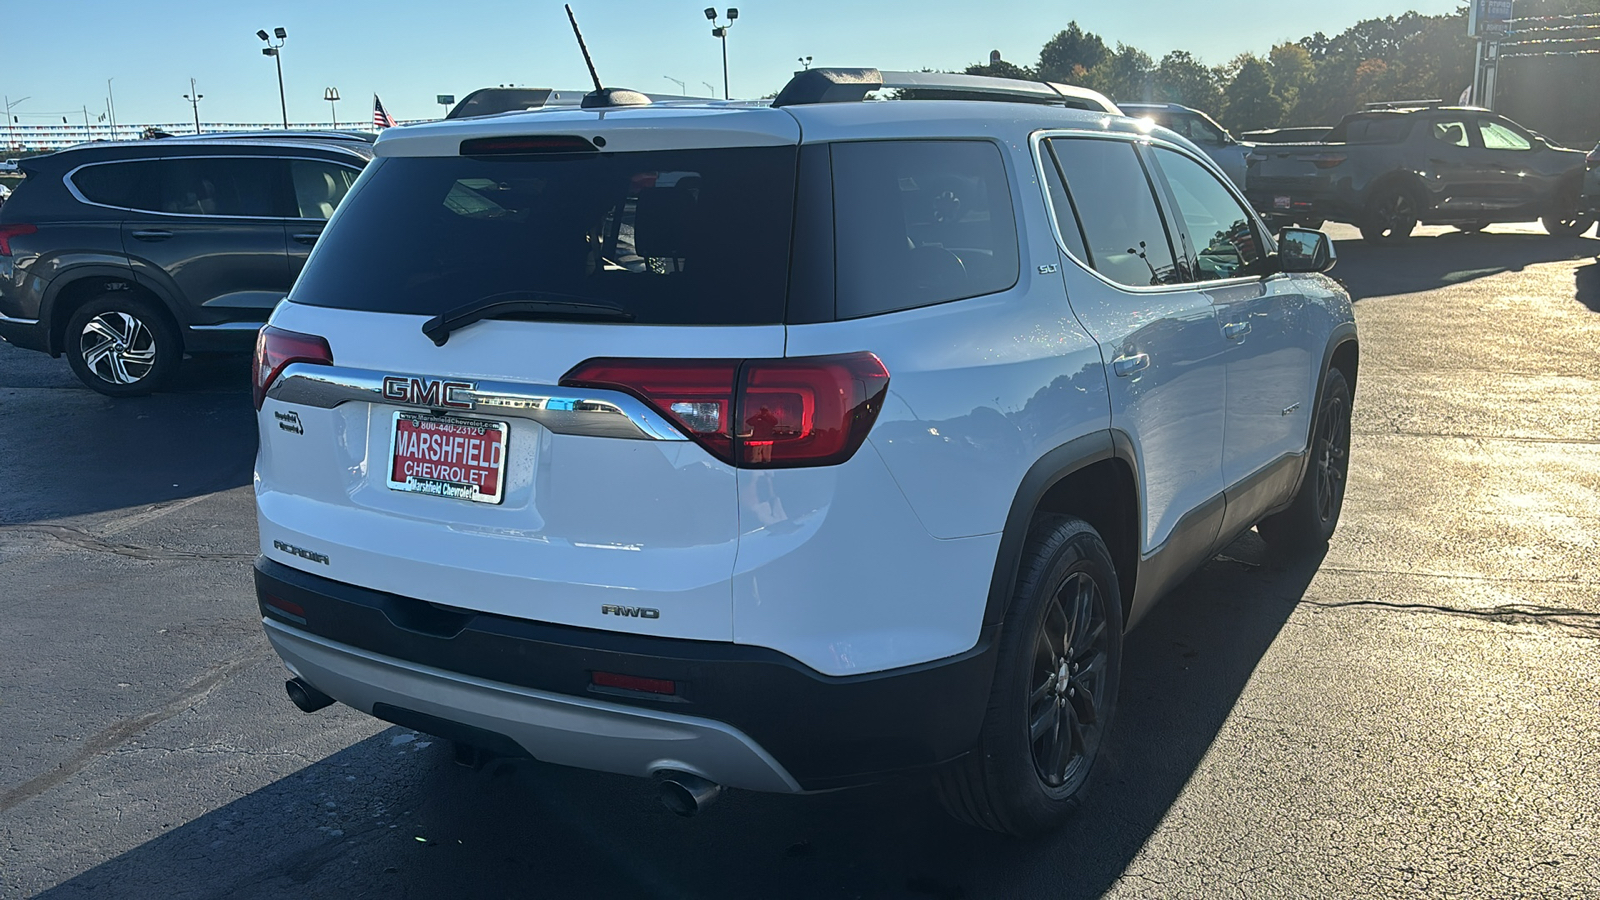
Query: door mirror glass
[{"x": 1304, "y": 250}]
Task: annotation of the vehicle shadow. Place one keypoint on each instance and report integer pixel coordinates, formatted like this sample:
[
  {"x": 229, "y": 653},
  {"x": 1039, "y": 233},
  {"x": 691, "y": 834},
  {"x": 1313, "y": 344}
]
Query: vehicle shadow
[
  {"x": 68, "y": 451},
  {"x": 1588, "y": 285},
  {"x": 517, "y": 828},
  {"x": 1422, "y": 263}
]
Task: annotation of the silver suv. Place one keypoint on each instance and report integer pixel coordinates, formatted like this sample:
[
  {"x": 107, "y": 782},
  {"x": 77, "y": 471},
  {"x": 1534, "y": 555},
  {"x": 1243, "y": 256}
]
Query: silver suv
[{"x": 783, "y": 446}]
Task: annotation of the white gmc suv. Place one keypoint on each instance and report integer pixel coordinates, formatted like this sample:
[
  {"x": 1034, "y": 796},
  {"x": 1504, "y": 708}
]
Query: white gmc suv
[{"x": 784, "y": 446}]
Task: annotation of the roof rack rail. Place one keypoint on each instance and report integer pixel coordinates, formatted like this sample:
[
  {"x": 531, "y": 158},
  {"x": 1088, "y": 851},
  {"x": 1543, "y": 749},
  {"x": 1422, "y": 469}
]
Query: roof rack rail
[
  {"x": 1403, "y": 104},
  {"x": 841, "y": 85}
]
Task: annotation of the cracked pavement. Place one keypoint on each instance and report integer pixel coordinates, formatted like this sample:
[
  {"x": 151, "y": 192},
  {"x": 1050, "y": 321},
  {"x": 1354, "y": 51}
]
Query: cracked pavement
[{"x": 1415, "y": 715}]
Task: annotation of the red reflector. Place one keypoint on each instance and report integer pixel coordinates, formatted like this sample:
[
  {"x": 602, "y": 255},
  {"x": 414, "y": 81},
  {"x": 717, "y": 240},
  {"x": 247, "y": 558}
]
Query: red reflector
[
  {"x": 756, "y": 413},
  {"x": 539, "y": 143},
  {"x": 1328, "y": 162},
  {"x": 7, "y": 232},
  {"x": 634, "y": 683},
  {"x": 277, "y": 348},
  {"x": 293, "y": 609}
]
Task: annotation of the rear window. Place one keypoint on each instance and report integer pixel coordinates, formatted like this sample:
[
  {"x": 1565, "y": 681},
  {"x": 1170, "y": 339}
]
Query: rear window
[
  {"x": 678, "y": 237},
  {"x": 1384, "y": 128}
]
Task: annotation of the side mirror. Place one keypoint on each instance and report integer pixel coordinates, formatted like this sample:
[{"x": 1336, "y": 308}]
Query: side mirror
[{"x": 1305, "y": 250}]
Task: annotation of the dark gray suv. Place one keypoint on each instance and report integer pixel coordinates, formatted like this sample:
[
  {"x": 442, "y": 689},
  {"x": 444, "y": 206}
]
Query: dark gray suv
[{"x": 126, "y": 256}]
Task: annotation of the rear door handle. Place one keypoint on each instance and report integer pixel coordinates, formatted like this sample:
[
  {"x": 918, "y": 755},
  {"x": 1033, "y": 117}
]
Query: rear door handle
[
  {"x": 152, "y": 235},
  {"x": 1234, "y": 331},
  {"x": 1127, "y": 365},
  {"x": 309, "y": 237}
]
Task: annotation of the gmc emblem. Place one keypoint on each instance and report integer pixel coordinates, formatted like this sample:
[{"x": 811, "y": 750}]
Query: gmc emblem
[
  {"x": 426, "y": 392},
  {"x": 637, "y": 612}
]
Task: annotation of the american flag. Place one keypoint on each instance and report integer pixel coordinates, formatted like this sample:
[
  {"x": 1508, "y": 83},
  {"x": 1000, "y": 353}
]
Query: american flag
[{"x": 380, "y": 116}]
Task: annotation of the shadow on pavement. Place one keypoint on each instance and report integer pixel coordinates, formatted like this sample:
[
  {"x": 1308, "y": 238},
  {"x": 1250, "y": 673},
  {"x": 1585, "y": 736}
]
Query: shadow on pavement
[
  {"x": 1588, "y": 285},
  {"x": 68, "y": 451},
  {"x": 1422, "y": 263},
  {"x": 521, "y": 828}
]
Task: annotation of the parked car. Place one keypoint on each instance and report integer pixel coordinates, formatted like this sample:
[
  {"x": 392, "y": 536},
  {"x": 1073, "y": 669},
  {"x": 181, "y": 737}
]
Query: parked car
[
  {"x": 784, "y": 448},
  {"x": 1296, "y": 134},
  {"x": 5, "y": 192},
  {"x": 1387, "y": 169},
  {"x": 9, "y": 165},
  {"x": 125, "y": 256},
  {"x": 1228, "y": 152}
]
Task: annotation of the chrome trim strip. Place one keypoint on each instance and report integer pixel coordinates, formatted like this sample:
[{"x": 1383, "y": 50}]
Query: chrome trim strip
[
  {"x": 77, "y": 195},
  {"x": 8, "y": 320},
  {"x": 1037, "y": 139},
  {"x": 581, "y": 411}
]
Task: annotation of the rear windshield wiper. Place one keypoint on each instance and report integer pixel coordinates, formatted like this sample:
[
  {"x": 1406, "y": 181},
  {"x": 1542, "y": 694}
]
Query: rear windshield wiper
[{"x": 518, "y": 304}]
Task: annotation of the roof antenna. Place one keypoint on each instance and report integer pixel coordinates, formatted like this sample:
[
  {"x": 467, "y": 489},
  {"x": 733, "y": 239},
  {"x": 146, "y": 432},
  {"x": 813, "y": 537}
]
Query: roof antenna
[{"x": 602, "y": 97}]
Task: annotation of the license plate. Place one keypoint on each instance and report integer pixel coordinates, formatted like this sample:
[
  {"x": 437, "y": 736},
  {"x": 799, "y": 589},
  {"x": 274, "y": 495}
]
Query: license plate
[
  {"x": 463, "y": 459},
  {"x": 1281, "y": 203}
]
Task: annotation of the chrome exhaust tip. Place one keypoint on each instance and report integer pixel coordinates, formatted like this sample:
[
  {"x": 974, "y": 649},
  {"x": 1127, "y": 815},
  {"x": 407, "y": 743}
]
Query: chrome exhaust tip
[
  {"x": 308, "y": 698},
  {"x": 687, "y": 794}
]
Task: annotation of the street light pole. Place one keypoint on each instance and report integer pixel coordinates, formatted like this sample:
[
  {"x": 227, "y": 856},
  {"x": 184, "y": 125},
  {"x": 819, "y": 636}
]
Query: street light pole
[
  {"x": 194, "y": 100},
  {"x": 721, "y": 32},
  {"x": 11, "y": 131},
  {"x": 111, "y": 107},
  {"x": 273, "y": 50},
  {"x": 682, "y": 88}
]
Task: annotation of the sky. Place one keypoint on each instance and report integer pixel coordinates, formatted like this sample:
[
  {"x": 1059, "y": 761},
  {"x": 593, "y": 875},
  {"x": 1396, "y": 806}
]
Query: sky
[{"x": 59, "y": 53}]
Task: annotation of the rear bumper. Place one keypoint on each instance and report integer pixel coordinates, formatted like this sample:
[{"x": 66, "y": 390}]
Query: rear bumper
[
  {"x": 743, "y": 716},
  {"x": 28, "y": 334}
]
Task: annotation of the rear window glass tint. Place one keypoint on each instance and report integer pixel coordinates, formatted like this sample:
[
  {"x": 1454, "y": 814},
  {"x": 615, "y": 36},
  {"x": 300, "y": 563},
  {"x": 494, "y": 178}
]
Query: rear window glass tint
[
  {"x": 1116, "y": 206},
  {"x": 1386, "y": 128},
  {"x": 673, "y": 236},
  {"x": 920, "y": 222},
  {"x": 125, "y": 184}
]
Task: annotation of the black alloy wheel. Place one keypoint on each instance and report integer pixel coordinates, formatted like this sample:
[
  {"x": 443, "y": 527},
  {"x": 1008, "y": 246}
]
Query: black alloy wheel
[
  {"x": 1311, "y": 518},
  {"x": 1069, "y": 681},
  {"x": 1392, "y": 217}
]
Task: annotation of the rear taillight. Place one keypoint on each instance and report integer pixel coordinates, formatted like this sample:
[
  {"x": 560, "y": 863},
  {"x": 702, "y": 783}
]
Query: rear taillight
[
  {"x": 756, "y": 413},
  {"x": 7, "y": 232},
  {"x": 1329, "y": 160},
  {"x": 276, "y": 348}
]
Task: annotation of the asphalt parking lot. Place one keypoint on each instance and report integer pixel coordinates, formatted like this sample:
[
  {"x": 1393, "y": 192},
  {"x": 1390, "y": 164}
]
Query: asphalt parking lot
[{"x": 1417, "y": 714}]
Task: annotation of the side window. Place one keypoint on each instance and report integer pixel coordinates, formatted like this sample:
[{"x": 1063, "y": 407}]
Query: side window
[
  {"x": 920, "y": 222},
  {"x": 123, "y": 184},
  {"x": 319, "y": 186},
  {"x": 219, "y": 186},
  {"x": 1061, "y": 205},
  {"x": 1202, "y": 132},
  {"x": 1499, "y": 137},
  {"x": 1218, "y": 230},
  {"x": 1122, "y": 227},
  {"x": 1453, "y": 133}
]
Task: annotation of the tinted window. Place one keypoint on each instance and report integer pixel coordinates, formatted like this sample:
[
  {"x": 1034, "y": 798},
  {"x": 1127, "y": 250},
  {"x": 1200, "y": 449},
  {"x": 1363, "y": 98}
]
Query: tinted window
[
  {"x": 674, "y": 237},
  {"x": 1453, "y": 133},
  {"x": 1061, "y": 204},
  {"x": 1122, "y": 226},
  {"x": 920, "y": 222},
  {"x": 1380, "y": 128},
  {"x": 125, "y": 184},
  {"x": 319, "y": 186},
  {"x": 1499, "y": 137},
  {"x": 1220, "y": 232},
  {"x": 218, "y": 186}
]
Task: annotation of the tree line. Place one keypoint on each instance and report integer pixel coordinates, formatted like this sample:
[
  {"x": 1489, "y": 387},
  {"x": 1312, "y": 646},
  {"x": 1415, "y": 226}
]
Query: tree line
[{"x": 1317, "y": 79}]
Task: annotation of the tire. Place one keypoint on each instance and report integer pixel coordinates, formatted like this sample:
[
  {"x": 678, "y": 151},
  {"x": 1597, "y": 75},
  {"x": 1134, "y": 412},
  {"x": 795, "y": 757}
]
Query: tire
[
  {"x": 1391, "y": 216},
  {"x": 1055, "y": 687},
  {"x": 122, "y": 345},
  {"x": 1569, "y": 224},
  {"x": 1471, "y": 227},
  {"x": 1309, "y": 521}
]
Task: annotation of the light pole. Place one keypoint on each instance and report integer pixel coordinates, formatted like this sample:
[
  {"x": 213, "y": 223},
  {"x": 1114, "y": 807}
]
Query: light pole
[
  {"x": 111, "y": 107},
  {"x": 194, "y": 100},
  {"x": 805, "y": 63},
  {"x": 272, "y": 50},
  {"x": 682, "y": 88},
  {"x": 332, "y": 96},
  {"x": 11, "y": 131},
  {"x": 721, "y": 32}
]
